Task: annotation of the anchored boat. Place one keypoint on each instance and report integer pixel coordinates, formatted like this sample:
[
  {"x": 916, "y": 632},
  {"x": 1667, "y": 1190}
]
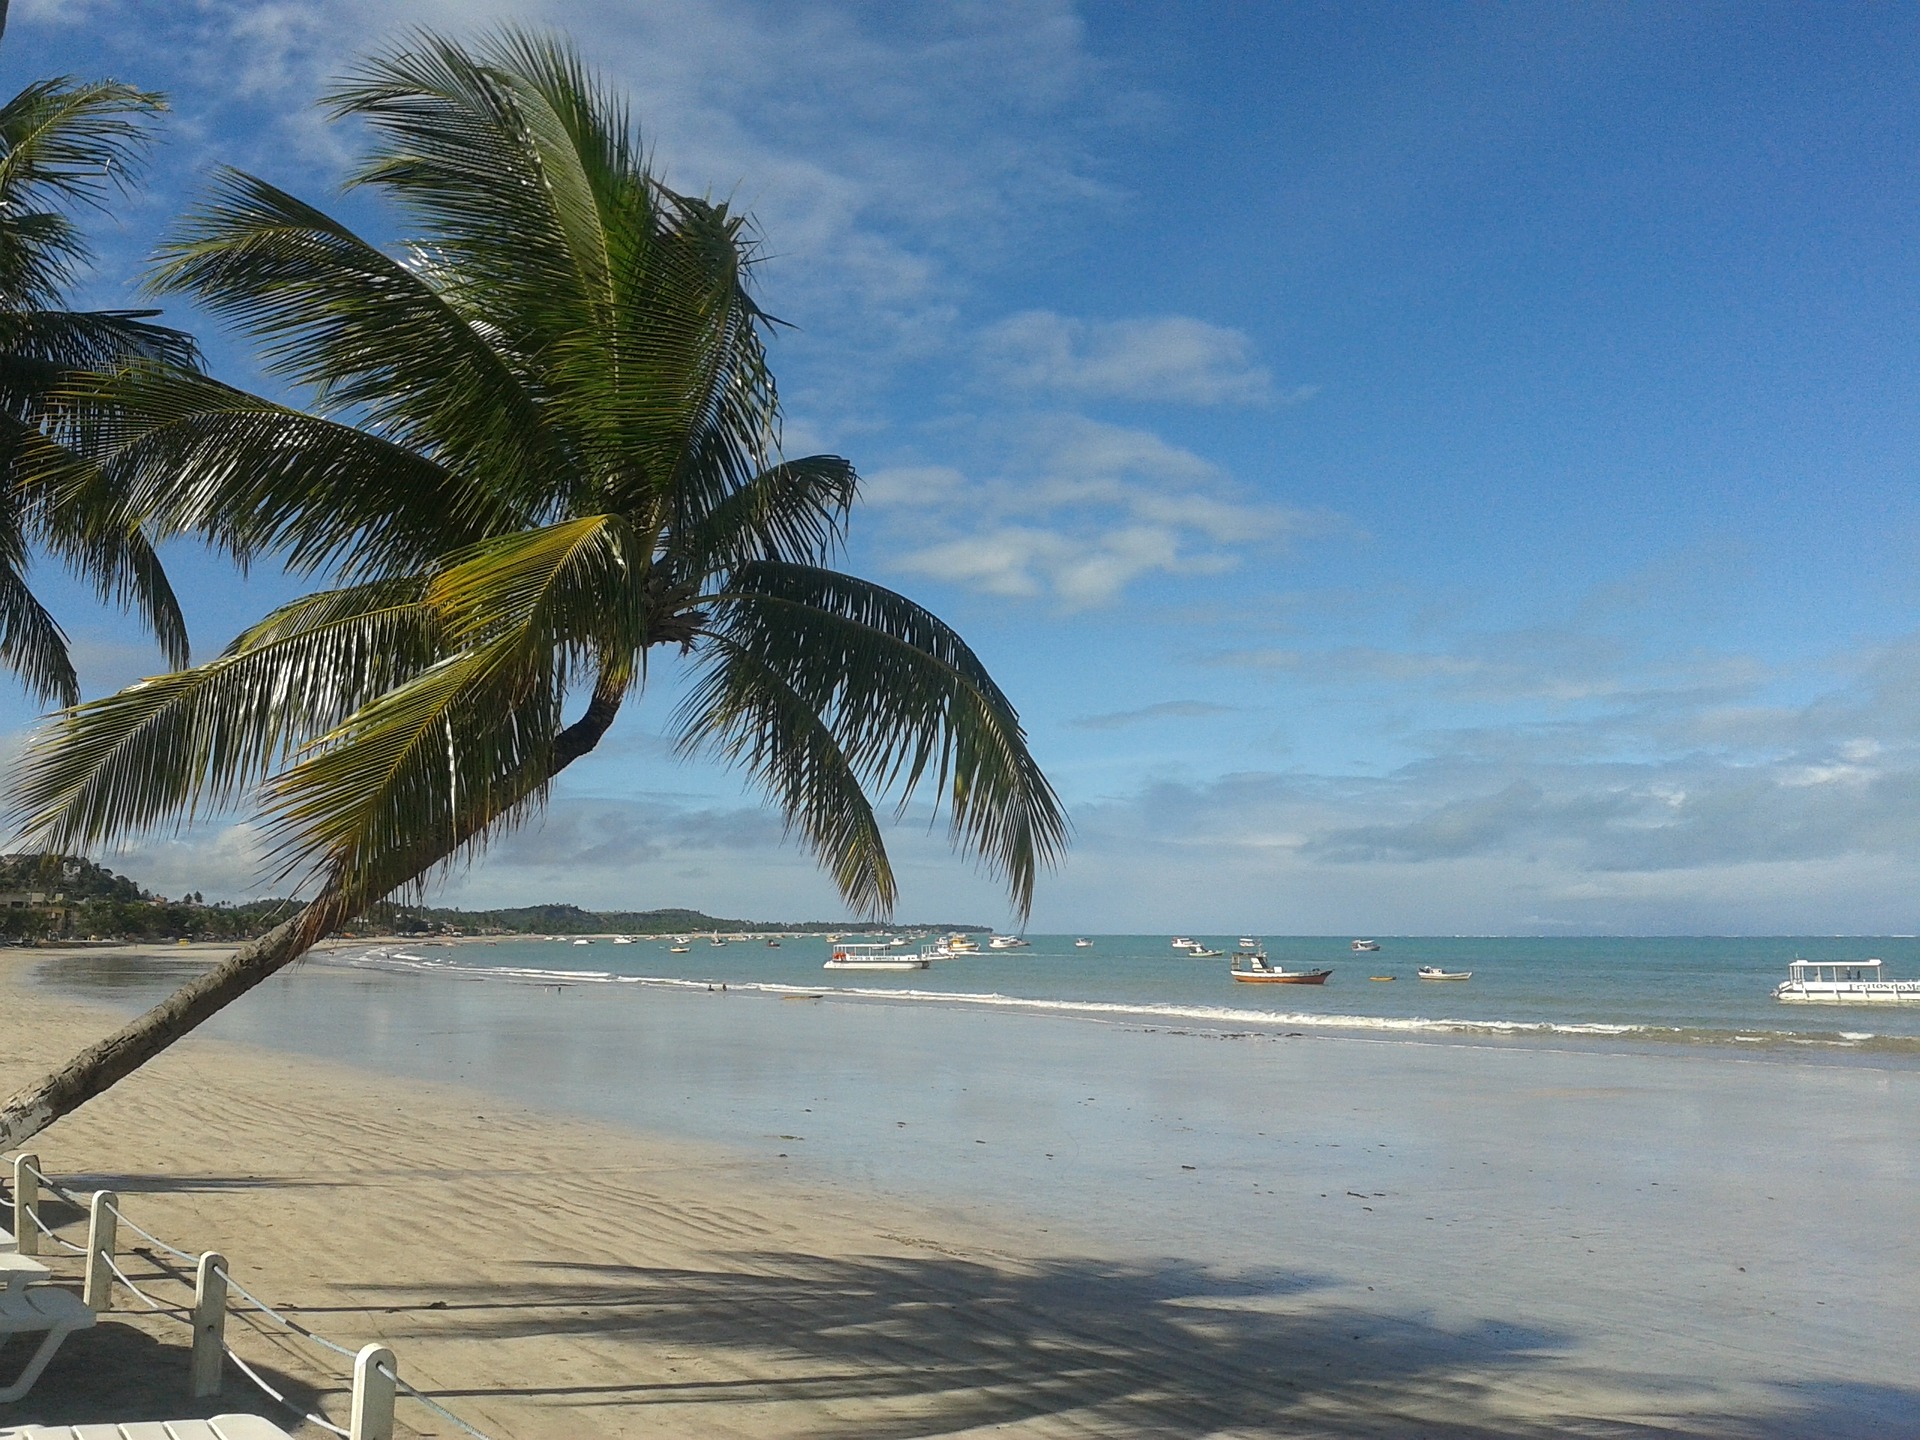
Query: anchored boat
[
  {"x": 873, "y": 957},
  {"x": 1251, "y": 967},
  {"x": 1434, "y": 972},
  {"x": 1843, "y": 982}
]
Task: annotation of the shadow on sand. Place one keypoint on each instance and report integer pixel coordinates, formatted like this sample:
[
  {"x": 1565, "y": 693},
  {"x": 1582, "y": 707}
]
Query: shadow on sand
[
  {"x": 117, "y": 1371},
  {"x": 943, "y": 1344}
]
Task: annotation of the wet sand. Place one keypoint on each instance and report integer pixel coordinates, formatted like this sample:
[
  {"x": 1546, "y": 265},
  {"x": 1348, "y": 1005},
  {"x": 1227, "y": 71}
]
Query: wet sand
[{"x": 1437, "y": 1240}]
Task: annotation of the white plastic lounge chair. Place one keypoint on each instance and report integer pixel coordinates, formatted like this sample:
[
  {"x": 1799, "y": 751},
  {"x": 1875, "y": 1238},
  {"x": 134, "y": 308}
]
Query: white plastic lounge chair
[
  {"x": 220, "y": 1427},
  {"x": 43, "y": 1310}
]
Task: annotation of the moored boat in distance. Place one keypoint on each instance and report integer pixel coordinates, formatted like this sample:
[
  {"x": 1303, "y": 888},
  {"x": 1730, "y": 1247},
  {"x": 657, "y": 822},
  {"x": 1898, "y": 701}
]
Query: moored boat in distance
[
  {"x": 1181, "y": 942},
  {"x": 1201, "y": 952},
  {"x": 1083, "y": 943},
  {"x": 1361, "y": 947},
  {"x": 679, "y": 949},
  {"x": 1006, "y": 942},
  {"x": 1251, "y": 967},
  {"x": 1434, "y": 972},
  {"x": 1843, "y": 982},
  {"x": 873, "y": 957}
]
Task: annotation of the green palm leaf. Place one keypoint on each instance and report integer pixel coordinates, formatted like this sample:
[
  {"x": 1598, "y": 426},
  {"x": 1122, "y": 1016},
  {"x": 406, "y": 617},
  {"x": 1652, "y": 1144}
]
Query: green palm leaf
[
  {"x": 899, "y": 691},
  {"x": 156, "y": 753},
  {"x": 64, "y": 143}
]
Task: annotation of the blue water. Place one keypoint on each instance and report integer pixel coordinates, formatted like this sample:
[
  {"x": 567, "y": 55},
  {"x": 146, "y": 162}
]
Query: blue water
[{"x": 1708, "y": 991}]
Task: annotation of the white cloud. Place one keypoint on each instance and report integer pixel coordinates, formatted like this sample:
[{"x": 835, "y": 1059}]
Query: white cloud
[
  {"x": 1076, "y": 509},
  {"x": 1161, "y": 359}
]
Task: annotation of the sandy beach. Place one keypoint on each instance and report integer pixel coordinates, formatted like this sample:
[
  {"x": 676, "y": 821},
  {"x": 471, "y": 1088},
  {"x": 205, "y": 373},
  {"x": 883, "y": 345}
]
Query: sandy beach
[{"x": 1433, "y": 1239}]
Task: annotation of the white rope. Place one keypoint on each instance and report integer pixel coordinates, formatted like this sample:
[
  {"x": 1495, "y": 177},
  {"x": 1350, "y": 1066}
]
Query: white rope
[
  {"x": 178, "y": 1312},
  {"x": 152, "y": 1239},
  {"x": 254, "y": 1375},
  {"x": 43, "y": 1228},
  {"x": 55, "y": 1186},
  {"x": 434, "y": 1405},
  {"x": 265, "y": 1309}
]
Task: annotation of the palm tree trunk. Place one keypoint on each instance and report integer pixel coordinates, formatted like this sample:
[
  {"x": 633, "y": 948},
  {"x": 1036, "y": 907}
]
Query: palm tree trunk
[{"x": 101, "y": 1065}]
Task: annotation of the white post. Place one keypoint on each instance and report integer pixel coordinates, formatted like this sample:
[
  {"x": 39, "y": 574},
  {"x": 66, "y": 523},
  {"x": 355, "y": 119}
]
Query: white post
[
  {"x": 100, "y": 1237},
  {"x": 26, "y": 1204},
  {"x": 209, "y": 1325},
  {"x": 373, "y": 1393}
]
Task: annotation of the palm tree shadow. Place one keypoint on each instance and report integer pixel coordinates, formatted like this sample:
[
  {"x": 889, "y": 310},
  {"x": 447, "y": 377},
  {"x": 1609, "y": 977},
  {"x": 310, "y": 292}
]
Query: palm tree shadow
[
  {"x": 943, "y": 1344},
  {"x": 117, "y": 1373}
]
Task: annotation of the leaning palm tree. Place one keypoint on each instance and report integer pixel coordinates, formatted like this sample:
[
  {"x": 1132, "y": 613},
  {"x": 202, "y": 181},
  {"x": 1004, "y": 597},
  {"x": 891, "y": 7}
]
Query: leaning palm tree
[
  {"x": 541, "y": 456},
  {"x": 66, "y": 143}
]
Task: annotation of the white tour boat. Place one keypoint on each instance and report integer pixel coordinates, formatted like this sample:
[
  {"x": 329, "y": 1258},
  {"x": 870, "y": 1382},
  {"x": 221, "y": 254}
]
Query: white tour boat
[
  {"x": 873, "y": 957},
  {"x": 1844, "y": 982},
  {"x": 1005, "y": 942},
  {"x": 1434, "y": 972},
  {"x": 1181, "y": 942},
  {"x": 1083, "y": 943},
  {"x": 1362, "y": 947}
]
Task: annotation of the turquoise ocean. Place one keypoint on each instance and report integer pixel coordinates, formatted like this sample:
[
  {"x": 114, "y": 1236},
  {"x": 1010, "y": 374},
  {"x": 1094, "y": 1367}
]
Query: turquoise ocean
[{"x": 1698, "y": 991}]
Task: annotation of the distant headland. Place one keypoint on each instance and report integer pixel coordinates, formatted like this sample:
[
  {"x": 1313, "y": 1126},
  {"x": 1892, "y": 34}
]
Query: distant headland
[{"x": 66, "y": 897}]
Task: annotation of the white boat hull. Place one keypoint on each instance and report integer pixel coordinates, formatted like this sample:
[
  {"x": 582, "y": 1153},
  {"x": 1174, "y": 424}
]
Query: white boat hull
[
  {"x": 904, "y": 963},
  {"x": 1851, "y": 992}
]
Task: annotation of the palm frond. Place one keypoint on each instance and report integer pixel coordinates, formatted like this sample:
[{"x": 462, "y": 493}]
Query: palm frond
[
  {"x": 428, "y": 768},
  {"x": 573, "y": 591},
  {"x": 62, "y": 142},
  {"x": 69, "y": 508},
  {"x": 795, "y": 511},
  {"x": 539, "y": 219},
  {"x": 40, "y": 348},
  {"x": 903, "y": 696},
  {"x": 119, "y": 561},
  {"x": 32, "y": 644},
  {"x": 367, "y": 335},
  {"x": 414, "y": 778},
  {"x": 192, "y": 455},
  {"x": 156, "y": 752},
  {"x": 745, "y": 710}
]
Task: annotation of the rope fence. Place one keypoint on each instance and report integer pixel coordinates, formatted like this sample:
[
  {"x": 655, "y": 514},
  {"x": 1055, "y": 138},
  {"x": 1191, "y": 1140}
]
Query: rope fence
[{"x": 375, "y": 1380}]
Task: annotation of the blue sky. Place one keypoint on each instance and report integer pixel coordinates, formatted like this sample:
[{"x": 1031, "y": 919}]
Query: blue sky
[{"x": 1417, "y": 469}]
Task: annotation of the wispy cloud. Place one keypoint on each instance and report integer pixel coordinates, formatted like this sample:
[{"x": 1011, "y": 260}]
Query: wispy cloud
[
  {"x": 1076, "y": 509},
  {"x": 1160, "y": 359},
  {"x": 1148, "y": 714}
]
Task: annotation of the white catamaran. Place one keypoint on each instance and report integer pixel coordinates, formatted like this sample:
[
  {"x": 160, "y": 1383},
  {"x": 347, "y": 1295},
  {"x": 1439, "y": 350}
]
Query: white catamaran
[{"x": 1843, "y": 982}]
